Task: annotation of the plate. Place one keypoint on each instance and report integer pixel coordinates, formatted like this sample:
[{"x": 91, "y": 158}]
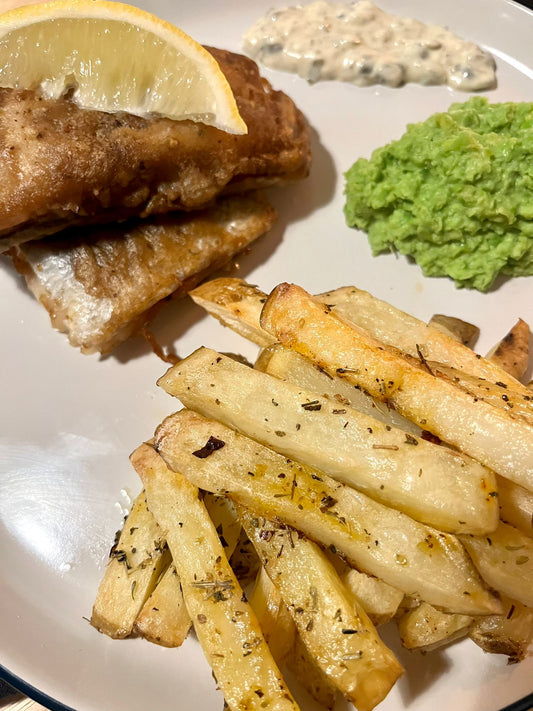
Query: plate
[{"x": 69, "y": 421}]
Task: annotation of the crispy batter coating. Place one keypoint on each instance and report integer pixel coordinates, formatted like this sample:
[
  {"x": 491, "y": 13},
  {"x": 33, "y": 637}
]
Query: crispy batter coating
[
  {"x": 102, "y": 284},
  {"x": 62, "y": 165}
]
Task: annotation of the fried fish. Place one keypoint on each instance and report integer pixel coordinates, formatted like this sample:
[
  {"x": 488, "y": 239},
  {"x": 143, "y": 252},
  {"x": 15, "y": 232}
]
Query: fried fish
[
  {"x": 102, "y": 284},
  {"x": 65, "y": 166}
]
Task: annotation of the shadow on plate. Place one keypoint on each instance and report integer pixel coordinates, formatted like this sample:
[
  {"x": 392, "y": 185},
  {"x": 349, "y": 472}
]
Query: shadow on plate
[
  {"x": 421, "y": 670},
  {"x": 293, "y": 204}
]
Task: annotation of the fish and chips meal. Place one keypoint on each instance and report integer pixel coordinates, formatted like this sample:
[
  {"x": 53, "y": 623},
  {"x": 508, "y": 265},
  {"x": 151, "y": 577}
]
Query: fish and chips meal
[
  {"x": 365, "y": 458},
  {"x": 139, "y": 208},
  {"x": 367, "y": 468}
]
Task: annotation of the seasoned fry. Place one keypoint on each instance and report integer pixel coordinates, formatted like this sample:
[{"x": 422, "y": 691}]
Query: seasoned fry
[
  {"x": 374, "y": 538},
  {"x": 310, "y": 675},
  {"x": 290, "y": 366},
  {"x": 496, "y": 394},
  {"x": 430, "y": 483},
  {"x": 235, "y": 304},
  {"x": 379, "y": 600},
  {"x": 284, "y": 641},
  {"x": 476, "y": 428},
  {"x": 164, "y": 618},
  {"x": 510, "y": 633},
  {"x": 505, "y": 560},
  {"x": 461, "y": 331},
  {"x": 512, "y": 352},
  {"x": 394, "y": 327},
  {"x": 238, "y": 305},
  {"x": 244, "y": 561},
  {"x": 223, "y": 620},
  {"x": 368, "y": 468},
  {"x": 330, "y": 621},
  {"x": 136, "y": 562},
  {"x": 516, "y": 505},
  {"x": 273, "y": 616},
  {"x": 424, "y": 628}
]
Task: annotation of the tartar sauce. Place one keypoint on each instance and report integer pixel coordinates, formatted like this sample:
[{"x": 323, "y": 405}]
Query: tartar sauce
[{"x": 360, "y": 43}]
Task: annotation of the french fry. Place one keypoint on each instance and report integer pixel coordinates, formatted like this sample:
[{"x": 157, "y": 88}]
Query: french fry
[
  {"x": 273, "y": 616},
  {"x": 331, "y": 622},
  {"x": 288, "y": 365},
  {"x": 310, "y": 675},
  {"x": 136, "y": 563},
  {"x": 285, "y": 643},
  {"x": 239, "y": 304},
  {"x": 505, "y": 560},
  {"x": 510, "y": 633},
  {"x": 493, "y": 436},
  {"x": 425, "y": 628},
  {"x": 236, "y": 305},
  {"x": 495, "y": 394},
  {"x": 413, "y": 337},
  {"x": 432, "y": 484},
  {"x": 164, "y": 618},
  {"x": 512, "y": 352},
  {"x": 516, "y": 505},
  {"x": 394, "y": 327},
  {"x": 374, "y": 538},
  {"x": 461, "y": 331},
  {"x": 224, "y": 623},
  {"x": 244, "y": 561},
  {"x": 515, "y": 502},
  {"x": 379, "y": 600}
]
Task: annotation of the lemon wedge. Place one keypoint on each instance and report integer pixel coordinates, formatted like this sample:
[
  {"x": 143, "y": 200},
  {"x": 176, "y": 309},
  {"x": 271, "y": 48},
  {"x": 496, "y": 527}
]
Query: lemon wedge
[{"x": 114, "y": 57}]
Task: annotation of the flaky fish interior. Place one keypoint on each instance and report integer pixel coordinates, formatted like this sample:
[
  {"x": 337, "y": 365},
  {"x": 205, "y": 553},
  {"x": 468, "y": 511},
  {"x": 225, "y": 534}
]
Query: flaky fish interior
[{"x": 102, "y": 284}]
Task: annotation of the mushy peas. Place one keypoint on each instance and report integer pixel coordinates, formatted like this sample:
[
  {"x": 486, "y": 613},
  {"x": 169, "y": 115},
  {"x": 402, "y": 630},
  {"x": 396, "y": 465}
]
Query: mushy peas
[{"x": 455, "y": 193}]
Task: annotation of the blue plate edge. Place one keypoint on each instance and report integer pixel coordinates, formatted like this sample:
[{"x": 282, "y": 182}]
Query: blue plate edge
[
  {"x": 524, "y": 704},
  {"x": 31, "y": 691}
]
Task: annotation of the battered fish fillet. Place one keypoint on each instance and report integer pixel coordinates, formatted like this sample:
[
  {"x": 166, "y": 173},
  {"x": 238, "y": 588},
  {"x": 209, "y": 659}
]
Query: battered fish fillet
[
  {"x": 62, "y": 165},
  {"x": 100, "y": 285}
]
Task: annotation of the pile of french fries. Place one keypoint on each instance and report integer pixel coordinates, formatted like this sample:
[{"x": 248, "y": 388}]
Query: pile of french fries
[{"x": 369, "y": 467}]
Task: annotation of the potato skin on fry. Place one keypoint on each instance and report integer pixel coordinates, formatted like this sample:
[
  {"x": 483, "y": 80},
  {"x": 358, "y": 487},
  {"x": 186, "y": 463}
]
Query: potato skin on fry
[
  {"x": 511, "y": 354},
  {"x": 510, "y": 633}
]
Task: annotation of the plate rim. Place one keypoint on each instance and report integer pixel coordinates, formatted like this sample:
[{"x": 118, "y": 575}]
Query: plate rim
[{"x": 523, "y": 704}]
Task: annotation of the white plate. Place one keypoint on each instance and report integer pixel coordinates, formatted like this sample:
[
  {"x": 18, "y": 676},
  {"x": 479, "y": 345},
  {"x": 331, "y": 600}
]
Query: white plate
[{"x": 69, "y": 421}]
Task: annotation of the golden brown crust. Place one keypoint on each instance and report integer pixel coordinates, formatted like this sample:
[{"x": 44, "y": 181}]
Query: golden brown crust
[
  {"x": 62, "y": 165},
  {"x": 100, "y": 285}
]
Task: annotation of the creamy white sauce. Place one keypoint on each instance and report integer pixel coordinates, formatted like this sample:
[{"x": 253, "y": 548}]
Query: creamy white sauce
[{"x": 360, "y": 43}]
